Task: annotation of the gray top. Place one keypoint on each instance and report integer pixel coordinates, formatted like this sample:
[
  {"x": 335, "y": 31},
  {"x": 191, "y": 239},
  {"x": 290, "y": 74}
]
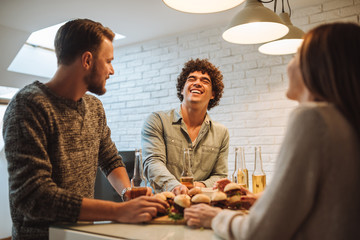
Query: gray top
[
  {"x": 53, "y": 147},
  {"x": 163, "y": 138},
  {"x": 314, "y": 193}
]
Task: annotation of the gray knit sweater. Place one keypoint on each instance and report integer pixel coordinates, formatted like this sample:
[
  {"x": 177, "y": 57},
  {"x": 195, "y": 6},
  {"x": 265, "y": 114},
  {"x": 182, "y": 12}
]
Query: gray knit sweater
[
  {"x": 314, "y": 193},
  {"x": 53, "y": 147}
]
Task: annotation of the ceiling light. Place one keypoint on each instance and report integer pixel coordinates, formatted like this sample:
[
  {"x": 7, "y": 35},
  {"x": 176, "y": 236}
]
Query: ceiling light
[
  {"x": 255, "y": 24},
  {"x": 287, "y": 44},
  {"x": 202, "y": 6}
]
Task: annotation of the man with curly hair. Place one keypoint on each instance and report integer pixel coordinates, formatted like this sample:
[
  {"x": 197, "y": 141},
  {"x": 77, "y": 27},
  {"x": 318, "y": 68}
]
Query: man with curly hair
[{"x": 165, "y": 134}]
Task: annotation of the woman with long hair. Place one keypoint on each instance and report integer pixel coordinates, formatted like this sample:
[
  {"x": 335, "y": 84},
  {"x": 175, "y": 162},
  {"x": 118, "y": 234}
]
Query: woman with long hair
[{"x": 314, "y": 192}]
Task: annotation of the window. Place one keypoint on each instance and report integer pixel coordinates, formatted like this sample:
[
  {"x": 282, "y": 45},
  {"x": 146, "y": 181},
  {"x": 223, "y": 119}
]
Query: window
[{"x": 37, "y": 55}]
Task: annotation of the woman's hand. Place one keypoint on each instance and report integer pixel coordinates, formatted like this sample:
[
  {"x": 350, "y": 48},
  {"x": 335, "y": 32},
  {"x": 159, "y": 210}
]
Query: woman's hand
[
  {"x": 200, "y": 215},
  {"x": 250, "y": 198}
]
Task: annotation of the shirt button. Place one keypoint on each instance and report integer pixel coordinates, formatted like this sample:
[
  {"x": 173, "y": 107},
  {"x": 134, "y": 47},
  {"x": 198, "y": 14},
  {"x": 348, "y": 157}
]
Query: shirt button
[{"x": 172, "y": 140}]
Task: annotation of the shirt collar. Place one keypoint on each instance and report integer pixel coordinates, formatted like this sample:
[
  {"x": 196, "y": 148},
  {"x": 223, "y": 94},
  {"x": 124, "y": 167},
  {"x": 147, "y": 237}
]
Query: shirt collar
[{"x": 177, "y": 117}]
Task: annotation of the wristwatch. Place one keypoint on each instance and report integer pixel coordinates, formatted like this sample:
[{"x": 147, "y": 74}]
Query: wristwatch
[{"x": 122, "y": 195}]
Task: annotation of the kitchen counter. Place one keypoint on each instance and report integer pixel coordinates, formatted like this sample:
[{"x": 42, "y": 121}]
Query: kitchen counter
[{"x": 110, "y": 230}]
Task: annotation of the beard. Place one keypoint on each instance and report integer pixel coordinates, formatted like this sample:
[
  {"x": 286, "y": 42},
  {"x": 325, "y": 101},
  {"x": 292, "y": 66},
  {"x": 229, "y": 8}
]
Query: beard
[{"x": 92, "y": 80}]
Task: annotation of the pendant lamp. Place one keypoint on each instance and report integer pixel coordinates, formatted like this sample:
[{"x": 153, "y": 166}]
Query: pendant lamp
[
  {"x": 287, "y": 44},
  {"x": 255, "y": 24},
  {"x": 202, "y": 6}
]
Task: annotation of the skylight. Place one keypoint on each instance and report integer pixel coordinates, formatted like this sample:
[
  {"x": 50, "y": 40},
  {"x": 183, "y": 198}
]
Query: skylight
[
  {"x": 44, "y": 37},
  {"x": 37, "y": 55},
  {"x": 7, "y": 92}
]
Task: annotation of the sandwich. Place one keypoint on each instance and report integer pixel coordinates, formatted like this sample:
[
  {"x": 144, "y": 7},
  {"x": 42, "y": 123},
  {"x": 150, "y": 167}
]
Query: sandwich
[
  {"x": 219, "y": 199},
  {"x": 200, "y": 198},
  {"x": 169, "y": 197},
  {"x": 160, "y": 196},
  {"x": 192, "y": 192},
  {"x": 234, "y": 193},
  {"x": 232, "y": 189},
  {"x": 234, "y": 202},
  {"x": 181, "y": 202}
]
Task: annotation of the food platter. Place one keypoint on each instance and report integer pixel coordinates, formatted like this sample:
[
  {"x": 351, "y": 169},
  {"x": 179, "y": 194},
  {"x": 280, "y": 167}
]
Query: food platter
[
  {"x": 166, "y": 220},
  {"x": 228, "y": 199}
]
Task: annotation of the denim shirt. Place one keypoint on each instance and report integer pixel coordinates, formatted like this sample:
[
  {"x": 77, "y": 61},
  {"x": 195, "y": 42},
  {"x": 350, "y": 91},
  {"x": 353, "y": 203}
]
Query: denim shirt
[{"x": 164, "y": 137}]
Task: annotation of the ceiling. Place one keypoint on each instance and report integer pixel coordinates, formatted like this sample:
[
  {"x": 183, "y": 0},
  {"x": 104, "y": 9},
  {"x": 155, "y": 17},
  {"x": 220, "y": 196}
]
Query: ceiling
[{"x": 138, "y": 20}]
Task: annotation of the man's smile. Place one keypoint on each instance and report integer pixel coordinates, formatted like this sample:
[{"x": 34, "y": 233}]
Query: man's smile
[{"x": 197, "y": 91}]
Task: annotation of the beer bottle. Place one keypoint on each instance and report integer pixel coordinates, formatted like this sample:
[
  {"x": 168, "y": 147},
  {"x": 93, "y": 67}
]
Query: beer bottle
[
  {"x": 258, "y": 177},
  {"x": 234, "y": 177},
  {"x": 241, "y": 172},
  {"x": 138, "y": 181},
  {"x": 187, "y": 177}
]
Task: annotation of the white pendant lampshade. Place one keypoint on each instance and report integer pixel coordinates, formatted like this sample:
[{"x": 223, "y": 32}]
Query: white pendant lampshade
[
  {"x": 287, "y": 44},
  {"x": 255, "y": 24},
  {"x": 202, "y": 6}
]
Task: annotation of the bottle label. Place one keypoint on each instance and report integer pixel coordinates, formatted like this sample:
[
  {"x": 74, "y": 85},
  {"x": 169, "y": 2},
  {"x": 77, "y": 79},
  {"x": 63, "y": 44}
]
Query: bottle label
[{"x": 187, "y": 181}]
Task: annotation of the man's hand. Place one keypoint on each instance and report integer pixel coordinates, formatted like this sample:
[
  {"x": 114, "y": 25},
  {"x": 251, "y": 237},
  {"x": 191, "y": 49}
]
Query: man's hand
[
  {"x": 199, "y": 184},
  {"x": 141, "y": 209},
  {"x": 138, "y": 210},
  {"x": 149, "y": 191},
  {"x": 200, "y": 215},
  {"x": 181, "y": 189},
  {"x": 221, "y": 183}
]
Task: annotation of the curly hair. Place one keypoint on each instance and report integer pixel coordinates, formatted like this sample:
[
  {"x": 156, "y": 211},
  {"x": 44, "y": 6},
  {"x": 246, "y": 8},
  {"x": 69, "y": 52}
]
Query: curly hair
[{"x": 204, "y": 66}]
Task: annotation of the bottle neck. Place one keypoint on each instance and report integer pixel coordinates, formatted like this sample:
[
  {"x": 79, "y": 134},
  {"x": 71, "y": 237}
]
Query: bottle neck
[
  {"x": 258, "y": 168},
  {"x": 240, "y": 158},
  {"x": 236, "y": 160},
  {"x": 138, "y": 176},
  {"x": 187, "y": 164}
]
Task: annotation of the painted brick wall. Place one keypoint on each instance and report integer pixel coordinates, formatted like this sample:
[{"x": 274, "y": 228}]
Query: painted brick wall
[{"x": 254, "y": 107}]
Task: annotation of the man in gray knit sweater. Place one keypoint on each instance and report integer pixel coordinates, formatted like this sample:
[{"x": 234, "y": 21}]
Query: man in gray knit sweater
[{"x": 56, "y": 136}]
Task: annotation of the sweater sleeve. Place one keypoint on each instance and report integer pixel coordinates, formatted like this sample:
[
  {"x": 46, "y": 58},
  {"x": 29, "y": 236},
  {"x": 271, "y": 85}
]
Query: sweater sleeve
[
  {"x": 32, "y": 190},
  {"x": 223, "y": 223},
  {"x": 291, "y": 194}
]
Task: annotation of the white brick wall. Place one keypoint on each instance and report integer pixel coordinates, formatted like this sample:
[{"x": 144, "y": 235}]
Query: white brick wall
[{"x": 253, "y": 107}]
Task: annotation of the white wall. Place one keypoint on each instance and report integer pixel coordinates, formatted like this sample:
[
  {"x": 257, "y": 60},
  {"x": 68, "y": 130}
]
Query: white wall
[
  {"x": 253, "y": 107},
  {"x": 5, "y": 226}
]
